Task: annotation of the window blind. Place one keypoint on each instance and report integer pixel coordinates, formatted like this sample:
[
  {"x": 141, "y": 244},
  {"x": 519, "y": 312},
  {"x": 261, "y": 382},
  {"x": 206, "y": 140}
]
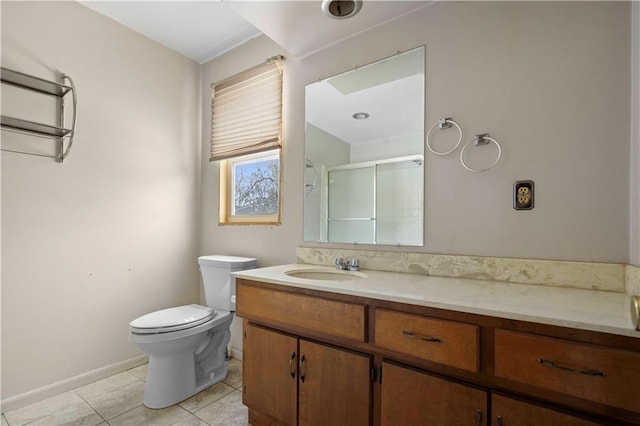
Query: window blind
[{"x": 246, "y": 111}]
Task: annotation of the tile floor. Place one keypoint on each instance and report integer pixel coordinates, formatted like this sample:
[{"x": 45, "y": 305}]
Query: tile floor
[{"x": 117, "y": 401}]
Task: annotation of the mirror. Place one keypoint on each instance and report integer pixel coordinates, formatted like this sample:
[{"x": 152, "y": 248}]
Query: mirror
[{"x": 364, "y": 148}]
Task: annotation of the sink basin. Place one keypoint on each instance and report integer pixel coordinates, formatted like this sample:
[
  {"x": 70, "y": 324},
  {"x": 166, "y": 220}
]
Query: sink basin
[{"x": 326, "y": 274}]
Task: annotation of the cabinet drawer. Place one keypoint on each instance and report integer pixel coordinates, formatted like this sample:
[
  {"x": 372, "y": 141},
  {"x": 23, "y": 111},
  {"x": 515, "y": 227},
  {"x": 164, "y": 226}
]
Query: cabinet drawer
[
  {"x": 314, "y": 313},
  {"x": 597, "y": 373},
  {"x": 509, "y": 411},
  {"x": 446, "y": 342}
]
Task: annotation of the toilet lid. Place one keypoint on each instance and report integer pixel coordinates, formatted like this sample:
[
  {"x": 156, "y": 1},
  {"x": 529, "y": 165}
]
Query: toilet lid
[{"x": 171, "y": 319}]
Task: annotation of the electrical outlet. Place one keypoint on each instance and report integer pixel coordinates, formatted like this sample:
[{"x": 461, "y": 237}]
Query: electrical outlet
[{"x": 523, "y": 195}]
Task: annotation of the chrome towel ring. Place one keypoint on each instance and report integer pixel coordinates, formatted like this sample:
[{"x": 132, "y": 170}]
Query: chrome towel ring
[
  {"x": 309, "y": 178},
  {"x": 444, "y": 123},
  {"x": 481, "y": 139}
]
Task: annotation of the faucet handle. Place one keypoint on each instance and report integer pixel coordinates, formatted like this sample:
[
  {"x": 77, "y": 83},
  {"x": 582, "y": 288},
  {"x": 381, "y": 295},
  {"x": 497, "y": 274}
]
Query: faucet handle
[
  {"x": 354, "y": 264},
  {"x": 339, "y": 263}
]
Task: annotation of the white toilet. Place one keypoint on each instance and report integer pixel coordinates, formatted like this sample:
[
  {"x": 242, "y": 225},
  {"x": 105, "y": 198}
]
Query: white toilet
[{"x": 186, "y": 345}]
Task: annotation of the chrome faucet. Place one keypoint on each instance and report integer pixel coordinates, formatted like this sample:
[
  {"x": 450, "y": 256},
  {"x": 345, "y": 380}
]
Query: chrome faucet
[{"x": 350, "y": 265}]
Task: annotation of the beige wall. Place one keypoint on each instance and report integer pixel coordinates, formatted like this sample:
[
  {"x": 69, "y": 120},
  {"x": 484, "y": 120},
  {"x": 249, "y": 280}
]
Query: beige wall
[
  {"x": 112, "y": 233},
  {"x": 550, "y": 81}
]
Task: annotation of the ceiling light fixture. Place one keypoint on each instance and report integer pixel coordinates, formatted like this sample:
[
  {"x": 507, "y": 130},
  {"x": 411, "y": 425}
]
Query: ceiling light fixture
[
  {"x": 341, "y": 9},
  {"x": 361, "y": 115}
]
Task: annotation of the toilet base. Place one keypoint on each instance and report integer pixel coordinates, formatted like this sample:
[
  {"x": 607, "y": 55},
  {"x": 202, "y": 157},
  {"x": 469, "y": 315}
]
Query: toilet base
[
  {"x": 180, "y": 368},
  {"x": 172, "y": 380}
]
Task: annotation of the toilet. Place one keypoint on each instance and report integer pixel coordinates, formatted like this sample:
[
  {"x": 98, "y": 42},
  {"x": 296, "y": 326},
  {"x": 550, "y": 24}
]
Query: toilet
[{"x": 186, "y": 345}]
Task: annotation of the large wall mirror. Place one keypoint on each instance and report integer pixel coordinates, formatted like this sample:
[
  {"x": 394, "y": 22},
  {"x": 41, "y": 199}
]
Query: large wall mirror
[{"x": 364, "y": 148}]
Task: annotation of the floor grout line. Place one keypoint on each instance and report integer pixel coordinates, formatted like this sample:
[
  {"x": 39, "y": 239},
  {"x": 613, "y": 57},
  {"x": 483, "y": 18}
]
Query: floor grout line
[
  {"x": 232, "y": 388},
  {"x": 89, "y": 404}
]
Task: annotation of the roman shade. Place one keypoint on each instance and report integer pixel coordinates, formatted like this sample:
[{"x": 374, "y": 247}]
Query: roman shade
[{"x": 246, "y": 111}]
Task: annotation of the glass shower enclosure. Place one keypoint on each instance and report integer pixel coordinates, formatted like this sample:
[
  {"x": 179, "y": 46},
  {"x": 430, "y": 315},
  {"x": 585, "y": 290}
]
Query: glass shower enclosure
[{"x": 378, "y": 202}]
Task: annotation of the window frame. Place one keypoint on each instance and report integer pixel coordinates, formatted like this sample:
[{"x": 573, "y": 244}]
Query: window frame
[{"x": 226, "y": 216}]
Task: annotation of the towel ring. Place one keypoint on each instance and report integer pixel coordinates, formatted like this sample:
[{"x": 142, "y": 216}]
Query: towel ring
[
  {"x": 309, "y": 184},
  {"x": 444, "y": 123},
  {"x": 481, "y": 139}
]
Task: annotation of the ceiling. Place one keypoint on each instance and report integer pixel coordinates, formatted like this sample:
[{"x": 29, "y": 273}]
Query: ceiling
[{"x": 203, "y": 30}]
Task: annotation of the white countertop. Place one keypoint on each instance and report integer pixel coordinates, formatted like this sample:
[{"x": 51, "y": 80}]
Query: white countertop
[{"x": 594, "y": 310}]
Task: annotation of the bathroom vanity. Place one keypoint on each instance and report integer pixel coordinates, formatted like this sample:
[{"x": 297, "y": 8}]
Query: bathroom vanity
[{"x": 388, "y": 348}]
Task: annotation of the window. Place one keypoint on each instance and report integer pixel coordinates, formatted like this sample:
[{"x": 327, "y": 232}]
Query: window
[
  {"x": 246, "y": 137},
  {"x": 250, "y": 185}
]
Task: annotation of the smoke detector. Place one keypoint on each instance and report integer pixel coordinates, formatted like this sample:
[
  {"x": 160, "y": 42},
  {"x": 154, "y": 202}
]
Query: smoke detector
[{"x": 341, "y": 9}]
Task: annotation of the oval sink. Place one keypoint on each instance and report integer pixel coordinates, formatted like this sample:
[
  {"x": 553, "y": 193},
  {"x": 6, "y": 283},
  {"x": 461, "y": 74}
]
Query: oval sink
[{"x": 326, "y": 274}]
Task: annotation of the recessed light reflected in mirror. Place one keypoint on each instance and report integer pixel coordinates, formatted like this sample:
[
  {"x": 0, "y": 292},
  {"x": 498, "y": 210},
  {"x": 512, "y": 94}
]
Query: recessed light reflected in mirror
[{"x": 360, "y": 115}]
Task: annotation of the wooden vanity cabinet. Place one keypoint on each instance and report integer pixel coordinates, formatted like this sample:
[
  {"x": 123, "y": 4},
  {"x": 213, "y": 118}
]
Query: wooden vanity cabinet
[
  {"x": 319, "y": 358},
  {"x": 291, "y": 381}
]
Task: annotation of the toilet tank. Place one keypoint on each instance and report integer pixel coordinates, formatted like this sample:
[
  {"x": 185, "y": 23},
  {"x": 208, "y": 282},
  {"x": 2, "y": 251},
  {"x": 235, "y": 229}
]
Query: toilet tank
[{"x": 219, "y": 285}]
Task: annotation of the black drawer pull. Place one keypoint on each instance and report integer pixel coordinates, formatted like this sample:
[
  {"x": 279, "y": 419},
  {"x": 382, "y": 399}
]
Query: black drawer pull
[
  {"x": 291, "y": 370},
  {"x": 587, "y": 372},
  {"x": 301, "y": 372},
  {"x": 421, "y": 337},
  {"x": 592, "y": 373}
]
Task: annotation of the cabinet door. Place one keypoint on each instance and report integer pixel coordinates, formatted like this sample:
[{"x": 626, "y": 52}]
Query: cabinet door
[
  {"x": 511, "y": 412},
  {"x": 335, "y": 386},
  {"x": 413, "y": 398},
  {"x": 269, "y": 373}
]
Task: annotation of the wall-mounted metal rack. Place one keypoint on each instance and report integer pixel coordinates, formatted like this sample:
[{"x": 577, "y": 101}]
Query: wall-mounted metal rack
[{"x": 63, "y": 136}]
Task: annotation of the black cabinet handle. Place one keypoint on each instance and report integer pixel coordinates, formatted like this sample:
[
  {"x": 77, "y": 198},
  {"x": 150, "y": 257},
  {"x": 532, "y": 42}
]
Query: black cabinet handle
[
  {"x": 585, "y": 371},
  {"x": 422, "y": 337},
  {"x": 291, "y": 370},
  {"x": 302, "y": 360}
]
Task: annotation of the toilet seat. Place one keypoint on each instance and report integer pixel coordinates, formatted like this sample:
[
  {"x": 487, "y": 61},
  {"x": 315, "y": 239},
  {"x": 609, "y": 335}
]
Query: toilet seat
[
  {"x": 172, "y": 319},
  {"x": 142, "y": 337}
]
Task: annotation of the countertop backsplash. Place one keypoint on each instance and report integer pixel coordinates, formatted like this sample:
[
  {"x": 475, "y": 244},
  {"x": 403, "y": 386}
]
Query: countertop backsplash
[
  {"x": 613, "y": 277},
  {"x": 632, "y": 280}
]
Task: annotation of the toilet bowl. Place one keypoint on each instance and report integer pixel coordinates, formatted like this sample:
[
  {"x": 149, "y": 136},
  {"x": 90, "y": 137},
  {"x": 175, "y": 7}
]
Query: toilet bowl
[{"x": 186, "y": 345}]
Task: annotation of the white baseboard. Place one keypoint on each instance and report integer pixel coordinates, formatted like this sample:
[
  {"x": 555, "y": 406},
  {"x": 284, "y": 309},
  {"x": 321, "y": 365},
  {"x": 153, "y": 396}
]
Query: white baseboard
[
  {"x": 53, "y": 389},
  {"x": 236, "y": 353}
]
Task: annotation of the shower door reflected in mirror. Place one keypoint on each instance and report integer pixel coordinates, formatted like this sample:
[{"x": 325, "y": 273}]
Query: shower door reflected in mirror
[{"x": 364, "y": 146}]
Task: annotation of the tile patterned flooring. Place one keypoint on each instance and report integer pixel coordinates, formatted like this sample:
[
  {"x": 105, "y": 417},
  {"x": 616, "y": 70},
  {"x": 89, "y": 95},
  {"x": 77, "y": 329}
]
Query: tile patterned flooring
[{"x": 117, "y": 401}]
